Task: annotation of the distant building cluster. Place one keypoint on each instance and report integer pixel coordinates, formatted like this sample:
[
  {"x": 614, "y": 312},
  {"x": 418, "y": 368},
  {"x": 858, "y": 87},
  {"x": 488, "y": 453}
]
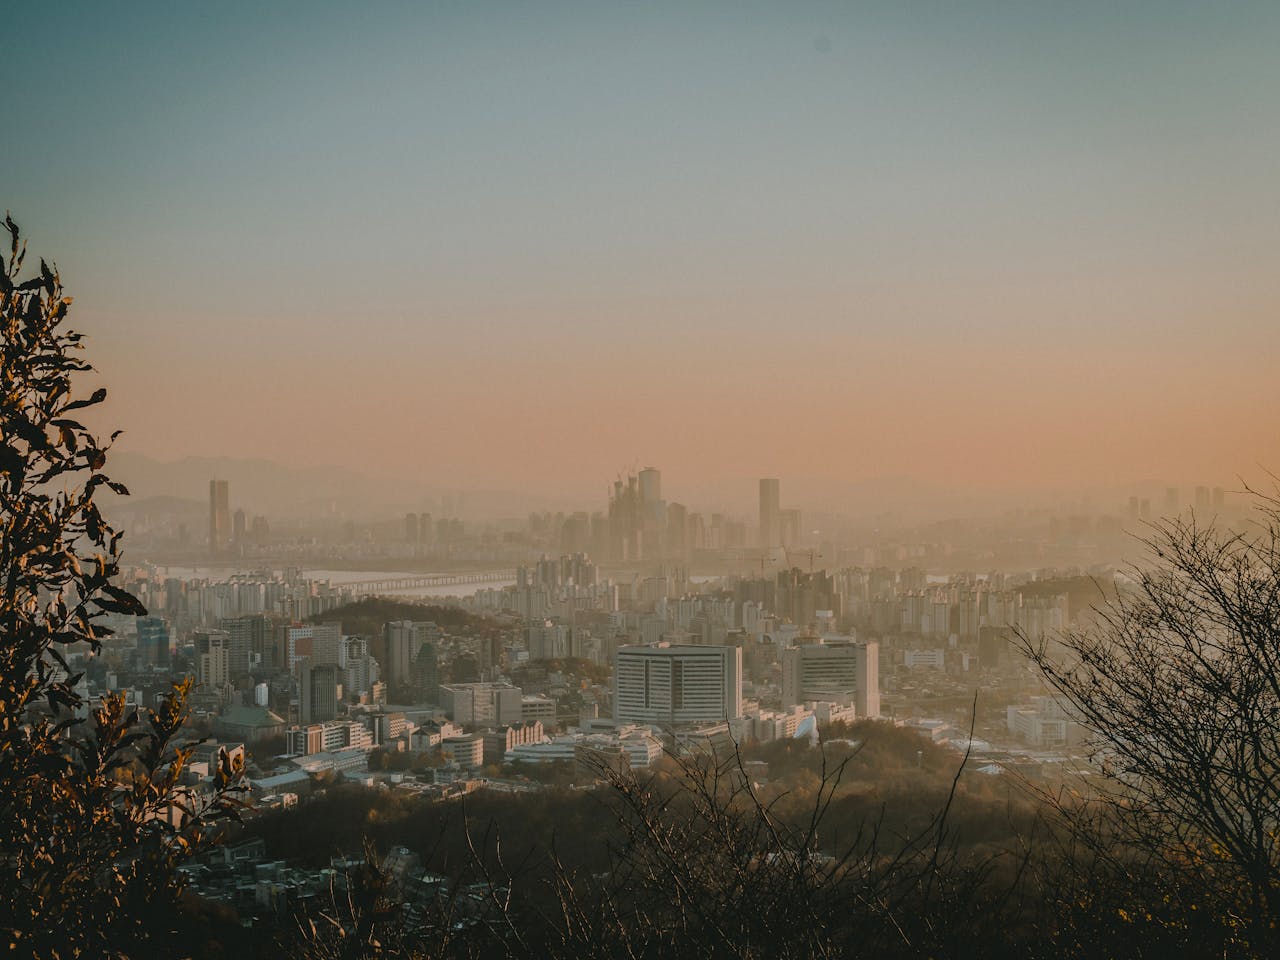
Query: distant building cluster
[
  {"x": 619, "y": 646},
  {"x": 604, "y": 656}
]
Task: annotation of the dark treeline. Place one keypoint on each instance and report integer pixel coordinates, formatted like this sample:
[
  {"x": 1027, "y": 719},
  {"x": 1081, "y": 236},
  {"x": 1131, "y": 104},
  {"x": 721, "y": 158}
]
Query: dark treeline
[
  {"x": 874, "y": 844},
  {"x": 366, "y": 617}
]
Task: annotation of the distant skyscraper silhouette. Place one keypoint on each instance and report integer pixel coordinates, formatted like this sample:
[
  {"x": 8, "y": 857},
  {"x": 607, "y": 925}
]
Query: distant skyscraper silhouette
[
  {"x": 219, "y": 516},
  {"x": 653, "y": 513},
  {"x": 770, "y": 514},
  {"x": 650, "y": 485}
]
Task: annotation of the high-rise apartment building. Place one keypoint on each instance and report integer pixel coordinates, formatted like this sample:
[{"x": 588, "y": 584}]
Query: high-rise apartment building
[
  {"x": 326, "y": 643},
  {"x": 426, "y": 674},
  {"x": 219, "y": 517},
  {"x": 650, "y": 485},
  {"x": 674, "y": 685},
  {"x": 653, "y": 513},
  {"x": 842, "y": 672},
  {"x": 250, "y": 645},
  {"x": 401, "y": 643},
  {"x": 213, "y": 660},
  {"x": 770, "y": 514},
  {"x": 153, "y": 640},
  {"x": 319, "y": 687},
  {"x": 360, "y": 670}
]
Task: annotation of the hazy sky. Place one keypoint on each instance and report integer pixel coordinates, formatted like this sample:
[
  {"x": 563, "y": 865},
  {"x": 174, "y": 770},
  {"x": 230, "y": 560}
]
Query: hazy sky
[{"x": 533, "y": 244}]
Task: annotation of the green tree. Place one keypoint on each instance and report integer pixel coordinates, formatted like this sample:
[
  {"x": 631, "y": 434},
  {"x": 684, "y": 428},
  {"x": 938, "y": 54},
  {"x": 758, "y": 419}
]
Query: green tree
[{"x": 93, "y": 818}]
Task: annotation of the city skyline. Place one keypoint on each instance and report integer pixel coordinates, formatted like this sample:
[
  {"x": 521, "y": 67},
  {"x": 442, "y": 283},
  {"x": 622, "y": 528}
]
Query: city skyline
[{"x": 640, "y": 480}]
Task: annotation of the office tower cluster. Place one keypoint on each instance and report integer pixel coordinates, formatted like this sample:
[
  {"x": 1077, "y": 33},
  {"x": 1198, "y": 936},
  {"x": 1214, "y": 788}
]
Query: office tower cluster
[
  {"x": 410, "y": 656},
  {"x": 219, "y": 518},
  {"x": 777, "y": 527},
  {"x": 637, "y": 516},
  {"x": 230, "y": 532}
]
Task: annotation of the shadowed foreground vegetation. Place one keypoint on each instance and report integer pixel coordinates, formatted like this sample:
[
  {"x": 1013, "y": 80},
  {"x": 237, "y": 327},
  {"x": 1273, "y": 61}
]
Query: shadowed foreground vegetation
[{"x": 844, "y": 851}]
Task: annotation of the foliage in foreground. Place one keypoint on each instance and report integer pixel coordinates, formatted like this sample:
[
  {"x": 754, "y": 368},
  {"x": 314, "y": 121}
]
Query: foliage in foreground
[
  {"x": 1181, "y": 688},
  {"x": 92, "y": 816}
]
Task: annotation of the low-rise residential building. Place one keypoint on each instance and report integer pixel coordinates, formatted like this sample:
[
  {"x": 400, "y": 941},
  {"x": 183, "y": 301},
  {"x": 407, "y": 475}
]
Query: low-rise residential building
[
  {"x": 765, "y": 726},
  {"x": 497, "y": 743},
  {"x": 466, "y": 750},
  {"x": 640, "y": 746},
  {"x": 1043, "y": 722},
  {"x": 333, "y": 735},
  {"x": 538, "y": 708},
  {"x": 350, "y": 760},
  {"x": 826, "y": 712},
  {"x": 482, "y": 704}
]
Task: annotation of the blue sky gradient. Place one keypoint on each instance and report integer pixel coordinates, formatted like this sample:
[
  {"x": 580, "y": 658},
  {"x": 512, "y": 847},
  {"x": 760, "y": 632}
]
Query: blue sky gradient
[{"x": 741, "y": 238}]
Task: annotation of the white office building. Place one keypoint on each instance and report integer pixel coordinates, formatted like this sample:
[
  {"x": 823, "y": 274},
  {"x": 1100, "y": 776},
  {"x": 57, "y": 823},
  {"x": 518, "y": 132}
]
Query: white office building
[
  {"x": 482, "y": 704},
  {"x": 672, "y": 685},
  {"x": 842, "y": 672}
]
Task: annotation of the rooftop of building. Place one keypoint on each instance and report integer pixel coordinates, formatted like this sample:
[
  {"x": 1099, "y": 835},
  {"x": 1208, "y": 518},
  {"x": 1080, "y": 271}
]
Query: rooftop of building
[{"x": 243, "y": 716}]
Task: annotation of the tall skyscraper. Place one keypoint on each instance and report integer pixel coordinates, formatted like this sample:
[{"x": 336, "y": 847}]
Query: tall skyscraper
[
  {"x": 650, "y": 485},
  {"x": 625, "y": 519},
  {"x": 653, "y": 514},
  {"x": 250, "y": 644},
  {"x": 212, "y": 659},
  {"x": 319, "y": 689},
  {"x": 358, "y": 667},
  {"x": 426, "y": 674},
  {"x": 770, "y": 514},
  {"x": 677, "y": 684},
  {"x": 401, "y": 642},
  {"x": 219, "y": 517},
  {"x": 153, "y": 640}
]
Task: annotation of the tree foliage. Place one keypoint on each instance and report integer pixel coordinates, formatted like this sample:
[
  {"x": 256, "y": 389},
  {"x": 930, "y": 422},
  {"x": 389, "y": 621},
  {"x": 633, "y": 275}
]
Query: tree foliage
[
  {"x": 1179, "y": 686},
  {"x": 92, "y": 814}
]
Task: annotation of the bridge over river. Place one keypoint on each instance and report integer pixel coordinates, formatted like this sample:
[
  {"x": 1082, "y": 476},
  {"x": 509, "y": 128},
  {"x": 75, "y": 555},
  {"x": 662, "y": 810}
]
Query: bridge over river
[{"x": 402, "y": 584}]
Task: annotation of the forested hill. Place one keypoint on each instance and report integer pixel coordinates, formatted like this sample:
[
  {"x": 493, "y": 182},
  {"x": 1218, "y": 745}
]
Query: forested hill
[{"x": 366, "y": 617}]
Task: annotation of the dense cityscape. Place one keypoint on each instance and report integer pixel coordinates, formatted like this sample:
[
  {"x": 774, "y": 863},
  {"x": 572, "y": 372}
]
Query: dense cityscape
[
  {"x": 513, "y": 680},
  {"x": 598, "y": 481}
]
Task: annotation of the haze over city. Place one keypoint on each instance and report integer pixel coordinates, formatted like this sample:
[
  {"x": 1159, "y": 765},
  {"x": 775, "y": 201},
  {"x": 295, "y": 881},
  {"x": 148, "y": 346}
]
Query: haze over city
[
  {"x": 640, "y": 481},
  {"x": 1014, "y": 248}
]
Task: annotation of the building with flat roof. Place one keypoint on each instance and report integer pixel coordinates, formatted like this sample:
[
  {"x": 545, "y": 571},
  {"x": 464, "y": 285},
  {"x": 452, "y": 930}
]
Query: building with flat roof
[
  {"x": 466, "y": 750},
  {"x": 674, "y": 685},
  {"x": 482, "y": 704},
  {"x": 770, "y": 514},
  {"x": 640, "y": 747},
  {"x": 845, "y": 672}
]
